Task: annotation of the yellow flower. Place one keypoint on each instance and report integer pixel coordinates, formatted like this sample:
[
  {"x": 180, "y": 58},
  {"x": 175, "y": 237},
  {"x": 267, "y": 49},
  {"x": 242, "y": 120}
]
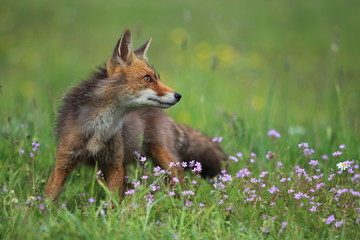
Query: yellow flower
[{"x": 32, "y": 198}]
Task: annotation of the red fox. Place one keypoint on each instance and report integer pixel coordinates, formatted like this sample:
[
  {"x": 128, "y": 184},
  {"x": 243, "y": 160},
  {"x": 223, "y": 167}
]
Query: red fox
[{"x": 103, "y": 119}]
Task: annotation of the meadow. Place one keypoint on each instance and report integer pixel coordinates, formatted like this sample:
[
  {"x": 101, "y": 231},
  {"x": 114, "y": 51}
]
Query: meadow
[{"x": 276, "y": 82}]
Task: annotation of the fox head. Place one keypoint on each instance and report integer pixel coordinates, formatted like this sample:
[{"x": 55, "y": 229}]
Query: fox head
[{"x": 133, "y": 80}]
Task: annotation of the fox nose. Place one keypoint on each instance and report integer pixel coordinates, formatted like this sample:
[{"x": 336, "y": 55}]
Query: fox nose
[{"x": 177, "y": 96}]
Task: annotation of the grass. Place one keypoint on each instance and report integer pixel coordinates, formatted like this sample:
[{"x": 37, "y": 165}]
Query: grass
[{"x": 243, "y": 68}]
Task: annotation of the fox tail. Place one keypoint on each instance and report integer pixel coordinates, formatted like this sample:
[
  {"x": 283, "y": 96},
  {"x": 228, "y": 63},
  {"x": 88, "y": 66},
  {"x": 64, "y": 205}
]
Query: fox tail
[{"x": 200, "y": 148}]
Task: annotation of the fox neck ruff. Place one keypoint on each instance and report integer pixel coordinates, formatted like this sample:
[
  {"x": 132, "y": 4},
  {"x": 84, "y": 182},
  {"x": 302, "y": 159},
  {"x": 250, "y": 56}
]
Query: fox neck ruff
[{"x": 103, "y": 126}]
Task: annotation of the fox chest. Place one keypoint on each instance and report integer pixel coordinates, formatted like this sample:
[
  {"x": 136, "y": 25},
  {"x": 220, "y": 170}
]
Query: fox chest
[{"x": 103, "y": 130}]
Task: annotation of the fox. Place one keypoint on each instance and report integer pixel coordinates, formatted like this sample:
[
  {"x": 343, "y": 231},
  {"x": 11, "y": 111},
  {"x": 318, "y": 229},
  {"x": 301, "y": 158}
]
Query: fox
[{"x": 101, "y": 121}]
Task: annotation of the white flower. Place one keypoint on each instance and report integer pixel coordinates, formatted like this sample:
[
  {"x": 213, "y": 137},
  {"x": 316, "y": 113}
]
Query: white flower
[
  {"x": 343, "y": 165},
  {"x": 14, "y": 200}
]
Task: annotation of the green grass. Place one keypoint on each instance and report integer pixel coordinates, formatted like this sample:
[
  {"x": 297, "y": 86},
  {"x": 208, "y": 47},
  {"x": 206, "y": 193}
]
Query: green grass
[{"x": 243, "y": 68}]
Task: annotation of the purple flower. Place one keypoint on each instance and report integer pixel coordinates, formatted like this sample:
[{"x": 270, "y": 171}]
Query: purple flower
[
  {"x": 263, "y": 174},
  {"x": 225, "y": 178},
  {"x": 221, "y": 202},
  {"x": 303, "y": 145},
  {"x": 239, "y": 155},
  {"x": 137, "y": 154},
  {"x": 217, "y": 139},
  {"x": 273, "y": 189},
  {"x": 188, "y": 203},
  {"x": 144, "y": 177},
  {"x": 219, "y": 185},
  {"x": 313, "y": 163},
  {"x": 32, "y": 155},
  {"x": 42, "y": 207},
  {"x": 272, "y": 204},
  {"x": 184, "y": 164},
  {"x": 319, "y": 185},
  {"x": 270, "y": 155},
  {"x": 201, "y": 205},
  {"x": 149, "y": 198},
  {"x": 331, "y": 176},
  {"x": 318, "y": 176},
  {"x": 300, "y": 195},
  {"x": 171, "y": 193},
  {"x": 191, "y": 163},
  {"x": 193, "y": 182},
  {"x": 342, "y": 146},
  {"x": 253, "y": 155},
  {"x": 339, "y": 223},
  {"x": 91, "y": 200},
  {"x": 325, "y": 157},
  {"x": 273, "y": 133},
  {"x": 154, "y": 188},
  {"x": 308, "y": 151},
  {"x": 254, "y": 180},
  {"x": 279, "y": 164},
  {"x": 187, "y": 192},
  {"x": 135, "y": 183},
  {"x": 22, "y": 151},
  {"x": 337, "y": 153},
  {"x": 158, "y": 171},
  {"x": 36, "y": 146},
  {"x": 313, "y": 209},
  {"x": 197, "y": 167},
  {"x": 143, "y": 159},
  {"x": 243, "y": 173},
  {"x": 130, "y": 192},
  {"x": 330, "y": 219},
  {"x": 233, "y": 158}
]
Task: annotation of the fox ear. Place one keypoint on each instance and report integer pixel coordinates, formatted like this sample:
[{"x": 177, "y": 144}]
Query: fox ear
[
  {"x": 141, "y": 51},
  {"x": 122, "y": 54},
  {"x": 123, "y": 50}
]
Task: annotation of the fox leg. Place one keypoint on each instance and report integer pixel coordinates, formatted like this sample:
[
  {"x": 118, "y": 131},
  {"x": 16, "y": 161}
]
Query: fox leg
[
  {"x": 164, "y": 157},
  {"x": 115, "y": 177},
  {"x": 55, "y": 184}
]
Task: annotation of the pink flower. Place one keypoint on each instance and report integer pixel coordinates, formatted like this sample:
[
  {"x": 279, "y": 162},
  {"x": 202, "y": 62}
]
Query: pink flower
[
  {"x": 330, "y": 219},
  {"x": 337, "y": 153},
  {"x": 233, "y": 158},
  {"x": 130, "y": 192},
  {"x": 273, "y": 133},
  {"x": 217, "y": 139},
  {"x": 339, "y": 223}
]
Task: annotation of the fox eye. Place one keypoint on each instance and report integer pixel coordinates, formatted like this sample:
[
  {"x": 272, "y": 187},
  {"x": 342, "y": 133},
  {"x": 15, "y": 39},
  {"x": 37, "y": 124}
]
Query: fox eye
[{"x": 148, "y": 78}]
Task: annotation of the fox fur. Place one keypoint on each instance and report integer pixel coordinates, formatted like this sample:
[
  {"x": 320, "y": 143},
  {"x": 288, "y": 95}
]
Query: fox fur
[{"x": 103, "y": 119}]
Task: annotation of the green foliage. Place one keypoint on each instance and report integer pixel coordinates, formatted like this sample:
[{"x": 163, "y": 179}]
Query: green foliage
[{"x": 243, "y": 68}]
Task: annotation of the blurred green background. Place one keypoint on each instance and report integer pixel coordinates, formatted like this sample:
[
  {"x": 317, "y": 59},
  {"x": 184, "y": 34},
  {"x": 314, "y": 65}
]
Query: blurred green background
[{"x": 243, "y": 67}]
